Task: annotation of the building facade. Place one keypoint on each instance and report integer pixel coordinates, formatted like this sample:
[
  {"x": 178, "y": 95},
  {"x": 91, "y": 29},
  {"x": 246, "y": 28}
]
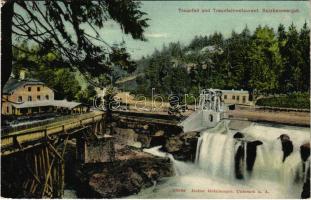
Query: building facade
[
  {"x": 235, "y": 97},
  {"x": 30, "y": 96}
]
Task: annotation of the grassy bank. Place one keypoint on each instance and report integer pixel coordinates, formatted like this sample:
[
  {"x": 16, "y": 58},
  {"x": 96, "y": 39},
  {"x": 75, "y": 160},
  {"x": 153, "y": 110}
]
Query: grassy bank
[{"x": 294, "y": 100}]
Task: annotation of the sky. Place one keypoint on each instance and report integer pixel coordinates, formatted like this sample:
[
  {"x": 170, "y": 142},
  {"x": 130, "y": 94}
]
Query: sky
[{"x": 169, "y": 24}]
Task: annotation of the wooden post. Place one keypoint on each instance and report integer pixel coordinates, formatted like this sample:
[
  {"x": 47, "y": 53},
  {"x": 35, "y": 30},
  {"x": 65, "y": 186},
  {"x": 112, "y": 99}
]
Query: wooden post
[
  {"x": 62, "y": 175},
  {"x": 101, "y": 128}
]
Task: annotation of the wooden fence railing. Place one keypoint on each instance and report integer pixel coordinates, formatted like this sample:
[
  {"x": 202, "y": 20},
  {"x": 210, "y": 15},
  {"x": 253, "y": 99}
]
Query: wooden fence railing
[{"x": 38, "y": 133}]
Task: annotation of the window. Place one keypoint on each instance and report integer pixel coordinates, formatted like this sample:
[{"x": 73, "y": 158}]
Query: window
[
  {"x": 238, "y": 98},
  {"x": 211, "y": 118},
  {"x": 7, "y": 109},
  {"x": 244, "y": 99},
  {"x": 225, "y": 96},
  {"x": 233, "y": 97},
  {"x": 29, "y": 98},
  {"x": 20, "y": 99},
  {"x": 47, "y": 97},
  {"x": 29, "y": 89},
  {"x": 39, "y": 97},
  {"x": 38, "y": 89}
]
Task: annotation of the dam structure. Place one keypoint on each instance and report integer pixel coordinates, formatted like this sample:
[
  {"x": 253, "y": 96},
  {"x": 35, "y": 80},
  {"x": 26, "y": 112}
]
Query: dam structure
[
  {"x": 229, "y": 165},
  {"x": 210, "y": 111},
  {"x": 236, "y": 159}
]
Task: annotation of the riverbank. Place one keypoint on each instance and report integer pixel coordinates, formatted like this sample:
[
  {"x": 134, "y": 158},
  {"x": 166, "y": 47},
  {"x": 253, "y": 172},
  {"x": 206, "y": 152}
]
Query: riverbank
[
  {"x": 288, "y": 116},
  {"x": 222, "y": 171},
  {"x": 282, "y": 117},
  {"x": 131, "y": 171},
  {"x": 294, "y": 118}
]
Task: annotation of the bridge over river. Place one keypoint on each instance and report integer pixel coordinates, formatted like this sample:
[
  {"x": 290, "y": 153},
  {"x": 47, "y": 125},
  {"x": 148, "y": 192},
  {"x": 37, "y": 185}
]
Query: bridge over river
[{"x": 33, "y": 158}]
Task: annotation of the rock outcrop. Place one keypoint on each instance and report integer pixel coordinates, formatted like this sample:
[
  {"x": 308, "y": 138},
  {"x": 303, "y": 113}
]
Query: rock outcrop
[
  {"x": 305, "y": 151},
  {"x": 305, "y": 154},
  {"x": 251, "y": 154},
  {"x": 182, "y": 146},
  {"x": 239, "y": 157},
  {"x": 132, "y": 171},
  {"x": 287, "y": 145}
]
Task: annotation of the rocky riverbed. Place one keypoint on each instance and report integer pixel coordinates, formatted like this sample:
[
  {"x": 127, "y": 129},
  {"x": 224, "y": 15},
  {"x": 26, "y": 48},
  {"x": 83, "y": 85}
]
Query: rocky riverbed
[
  {"x": 131, "y": 171},
  {"x": 181, "y": 145}
]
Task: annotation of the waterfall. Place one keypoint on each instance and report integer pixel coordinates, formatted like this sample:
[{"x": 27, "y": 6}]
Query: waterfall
[
  {"x": 180, "y": 168},
  {"x": 216, "y": 157},
  {"x": 220, "y": 156},
  {"x": 216, "y": 152}
]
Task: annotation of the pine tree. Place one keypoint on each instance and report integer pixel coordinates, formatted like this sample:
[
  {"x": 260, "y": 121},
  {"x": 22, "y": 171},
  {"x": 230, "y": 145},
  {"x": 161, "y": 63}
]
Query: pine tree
[{"x": 304, "y": 44}]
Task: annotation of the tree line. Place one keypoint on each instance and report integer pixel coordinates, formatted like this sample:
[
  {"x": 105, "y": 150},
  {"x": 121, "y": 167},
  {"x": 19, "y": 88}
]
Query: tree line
[
  {"x": 66, "y": 82},
  {"x": 265, "y": 61}
]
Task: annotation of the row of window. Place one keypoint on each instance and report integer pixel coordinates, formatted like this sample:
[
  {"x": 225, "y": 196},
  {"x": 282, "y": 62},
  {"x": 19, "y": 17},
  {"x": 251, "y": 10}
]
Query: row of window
[
  {"x": 38, "y": 89},
  {"x": 20, "y": 98},
  {"x": 237, "y": 97}
]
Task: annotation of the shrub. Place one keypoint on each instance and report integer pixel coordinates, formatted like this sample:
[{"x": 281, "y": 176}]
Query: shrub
[{"x": 293, "y": 100}]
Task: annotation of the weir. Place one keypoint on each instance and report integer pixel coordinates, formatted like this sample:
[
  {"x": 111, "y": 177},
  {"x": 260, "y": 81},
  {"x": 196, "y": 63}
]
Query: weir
[
  {"x": 210, "y": 112},
  {"x": 228, "y": 166},
  {"x": 258, "y": 156},
  {"x": 255, "y": 158}
]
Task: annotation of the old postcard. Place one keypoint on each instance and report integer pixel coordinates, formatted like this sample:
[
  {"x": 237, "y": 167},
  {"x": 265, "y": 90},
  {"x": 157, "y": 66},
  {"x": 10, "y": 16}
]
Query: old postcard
[{"x": 155, "y": 99}]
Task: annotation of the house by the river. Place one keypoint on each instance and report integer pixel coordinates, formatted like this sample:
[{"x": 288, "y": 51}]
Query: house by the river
[
  {"x": 30, "y": 96},
  {"x": 236, "y": 97}
]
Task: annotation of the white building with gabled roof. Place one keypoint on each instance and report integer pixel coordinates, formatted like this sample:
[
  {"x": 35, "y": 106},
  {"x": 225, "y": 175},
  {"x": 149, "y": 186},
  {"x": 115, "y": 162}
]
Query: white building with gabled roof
[{"x": 31, "y": 96}]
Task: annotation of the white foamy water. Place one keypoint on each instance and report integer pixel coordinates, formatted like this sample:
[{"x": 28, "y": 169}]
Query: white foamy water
[{"x": 213, "y": 175}]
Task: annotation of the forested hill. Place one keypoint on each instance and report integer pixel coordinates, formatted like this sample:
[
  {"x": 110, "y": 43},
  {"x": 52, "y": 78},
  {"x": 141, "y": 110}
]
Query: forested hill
[{"x": 263, "y": 61}]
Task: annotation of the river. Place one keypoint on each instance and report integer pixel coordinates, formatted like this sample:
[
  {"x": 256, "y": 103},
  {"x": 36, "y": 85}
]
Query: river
[{"x": 213, "y": 173}]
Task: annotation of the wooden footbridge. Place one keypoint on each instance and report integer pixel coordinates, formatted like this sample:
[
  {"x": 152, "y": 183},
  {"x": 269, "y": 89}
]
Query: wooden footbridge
[
  {"x": 28, "y": 138},
  {"x": 33, "y": 158}
]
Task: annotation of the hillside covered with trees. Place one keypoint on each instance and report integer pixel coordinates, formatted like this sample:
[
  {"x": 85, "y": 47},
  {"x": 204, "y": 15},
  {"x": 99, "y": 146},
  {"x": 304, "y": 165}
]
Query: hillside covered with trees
[{"x": 265, "y": 61}]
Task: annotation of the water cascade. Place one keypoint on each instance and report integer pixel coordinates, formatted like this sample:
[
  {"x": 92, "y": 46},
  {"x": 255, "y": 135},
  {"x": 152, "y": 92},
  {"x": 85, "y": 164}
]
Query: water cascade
[
  {"x": 229, "y": 161},
  {"x": 257, "y": 156},
  {"x": 259, "y": 161}
]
